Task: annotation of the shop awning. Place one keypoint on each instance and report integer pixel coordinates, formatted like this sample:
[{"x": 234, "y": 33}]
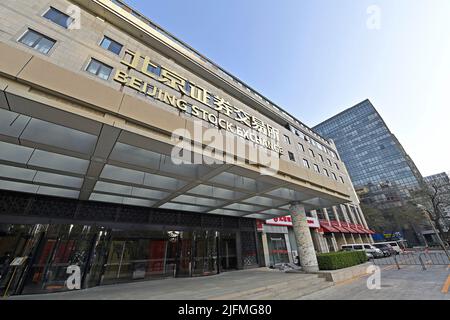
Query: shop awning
[
  {"x": 327, "y": 228},
  {"x": 350, "y": 229},
  {"x": 341, "y": 229}
]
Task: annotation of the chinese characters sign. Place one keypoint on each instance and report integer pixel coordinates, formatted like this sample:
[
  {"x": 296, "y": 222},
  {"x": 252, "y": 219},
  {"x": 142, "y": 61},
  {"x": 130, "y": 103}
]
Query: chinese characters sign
[{"x": 243, "y": 124}]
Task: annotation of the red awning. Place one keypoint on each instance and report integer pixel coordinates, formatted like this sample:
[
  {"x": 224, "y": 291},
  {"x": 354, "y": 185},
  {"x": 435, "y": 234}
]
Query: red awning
[
  {"x": 341, "y": 229},
  {"x": 327, "y": 228},
  {"x": 351, "y": 230}
]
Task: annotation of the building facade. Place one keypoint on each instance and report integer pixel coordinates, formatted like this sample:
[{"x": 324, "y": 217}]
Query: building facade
[
  {"x": 439, "y": 189},
  {"x": 382, "y": 173},
  {"x": 127, "y": 155}
]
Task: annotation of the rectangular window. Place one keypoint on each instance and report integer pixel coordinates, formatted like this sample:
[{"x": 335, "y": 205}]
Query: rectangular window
[
  {"x": 342, "y": 179},
  {"x": 334, "y": 176},
  {"x": 321, "y": 158},
  {"x": 99, "y": 69},
  {"x": 58, "y": 17},
  {"x": 325, "y": 172},
  {"x": 337, "y": 167},
  {"x": 37, "y": 41},
  {"x": 291, "y": 156},
  {"x": 311, "y": 153},
  {"x": 306, "y": 163},
  {"x": 111, "y": 45},
  {"x": 316, "y": 168},
  {"x": 302, "y": 148},
  {"x": 329, "y": 162},
  {"x": 286, "y": 138}
]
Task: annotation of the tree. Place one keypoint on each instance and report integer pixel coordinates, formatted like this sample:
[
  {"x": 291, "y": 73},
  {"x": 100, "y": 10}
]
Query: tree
[{"x": 435, "y": 196}]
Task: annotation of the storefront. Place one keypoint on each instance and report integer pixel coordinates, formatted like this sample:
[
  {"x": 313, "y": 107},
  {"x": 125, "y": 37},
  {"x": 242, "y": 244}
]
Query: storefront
[
  {"x": 112, "y": 252},
  {"x": 278, "y": 239}
]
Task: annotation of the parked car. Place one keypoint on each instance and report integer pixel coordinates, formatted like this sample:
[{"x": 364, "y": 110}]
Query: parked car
[
  {"x": 386, "y": 248},
  {"x": 394, "y": 245},
  {"x": 367, "y": 247}
]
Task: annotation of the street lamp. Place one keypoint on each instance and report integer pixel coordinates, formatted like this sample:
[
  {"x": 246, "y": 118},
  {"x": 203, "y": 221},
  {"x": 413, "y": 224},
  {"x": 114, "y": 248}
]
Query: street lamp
[{"x": 427, "y": 214}]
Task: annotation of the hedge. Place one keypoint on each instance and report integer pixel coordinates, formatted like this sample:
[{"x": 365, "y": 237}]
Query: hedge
[{"x": 341, "y": 259}]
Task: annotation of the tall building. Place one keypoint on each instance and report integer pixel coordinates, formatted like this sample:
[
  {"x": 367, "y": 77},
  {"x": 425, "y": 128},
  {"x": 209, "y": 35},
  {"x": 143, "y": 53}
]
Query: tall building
[
  {"x": 127, "y": 154},
  {"x": 382, "y": 173}
]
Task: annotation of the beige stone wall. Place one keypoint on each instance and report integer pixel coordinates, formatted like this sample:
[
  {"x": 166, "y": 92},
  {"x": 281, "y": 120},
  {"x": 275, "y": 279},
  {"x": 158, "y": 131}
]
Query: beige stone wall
[{"x": 62, "y": 71}]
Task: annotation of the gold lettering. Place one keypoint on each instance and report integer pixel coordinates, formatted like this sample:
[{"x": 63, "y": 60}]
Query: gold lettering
[
  {"x": 135, "y": 83},
  {"x": 121, "y": 77},
  {"x": 145, "y": 66},
  {"x": 195, "y": 111},
  {"x": 153, "y": 92},
  {"x": 169, "y": 99},
  {"x": 182, "y": 105},
  {"x": 135, "y": 57}
]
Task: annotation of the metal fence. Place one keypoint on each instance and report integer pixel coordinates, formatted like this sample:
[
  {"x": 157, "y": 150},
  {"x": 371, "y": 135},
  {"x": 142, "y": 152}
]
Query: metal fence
[{"x": 422, "y": 258}]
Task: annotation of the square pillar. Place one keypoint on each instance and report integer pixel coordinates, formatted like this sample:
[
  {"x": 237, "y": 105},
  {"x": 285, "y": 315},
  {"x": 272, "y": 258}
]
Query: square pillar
[{"x": 305, "y": 246}]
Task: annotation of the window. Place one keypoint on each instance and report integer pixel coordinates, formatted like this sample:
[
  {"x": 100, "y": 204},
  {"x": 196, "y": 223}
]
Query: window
[
  {"x": 337, "y": 167},
  {"x": 321, "y": 158},
  {"x": 316, "y": 168},
  {"x": 291, "y": 156},
  {"x": 286, "y": 138},
  {"x": 37, "y": 41},
  {"x": 325, "y": 172},
  {"x": 311, "y": 153},
  {"x": 342, "y": 179},
  {"x": 58, "y": 17},
  {"x": 329, "y": 162},
  {"x": 111, "y": 45},
  {"x": 99, "y": 69},
  {"x": 306, "y": 163},
  {"x": 334, "y": 176},
  {"x": 301, "y": 147}
]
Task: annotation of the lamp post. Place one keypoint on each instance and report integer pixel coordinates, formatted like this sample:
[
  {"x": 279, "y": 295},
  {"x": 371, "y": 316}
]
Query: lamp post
[{"x": 427, "y": 214}]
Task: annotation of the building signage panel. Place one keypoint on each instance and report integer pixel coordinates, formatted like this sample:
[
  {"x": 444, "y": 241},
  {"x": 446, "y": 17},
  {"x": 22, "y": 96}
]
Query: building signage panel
[
  {"x": 287, "y": 221},
  {"x": 248, "y": 126}
]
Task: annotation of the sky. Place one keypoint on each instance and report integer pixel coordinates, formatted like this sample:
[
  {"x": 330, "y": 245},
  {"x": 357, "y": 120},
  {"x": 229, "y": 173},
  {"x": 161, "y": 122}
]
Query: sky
[{"x": 315, "y": 58}]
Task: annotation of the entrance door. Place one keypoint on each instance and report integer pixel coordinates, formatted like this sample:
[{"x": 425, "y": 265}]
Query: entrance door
[
  {"x": 184, "y": 254},
  {"x": 277, "y": 248},
  {"x": 205, "y": 253},
  {"x": 228, "y": 254},
  {"x": 60, "y": 246}
]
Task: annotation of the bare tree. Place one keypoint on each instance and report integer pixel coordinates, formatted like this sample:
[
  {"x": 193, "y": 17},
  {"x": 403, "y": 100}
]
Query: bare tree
[{"x": 435, "y": 196}]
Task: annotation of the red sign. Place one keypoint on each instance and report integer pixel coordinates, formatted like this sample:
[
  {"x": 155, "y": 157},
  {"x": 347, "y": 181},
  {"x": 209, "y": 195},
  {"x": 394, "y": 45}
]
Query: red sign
[{"x": 287, "y": 221}]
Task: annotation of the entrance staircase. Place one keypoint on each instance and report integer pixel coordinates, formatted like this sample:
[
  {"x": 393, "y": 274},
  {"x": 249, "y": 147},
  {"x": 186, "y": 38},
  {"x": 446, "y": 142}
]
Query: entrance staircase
[{"x": 290, "y": 287}]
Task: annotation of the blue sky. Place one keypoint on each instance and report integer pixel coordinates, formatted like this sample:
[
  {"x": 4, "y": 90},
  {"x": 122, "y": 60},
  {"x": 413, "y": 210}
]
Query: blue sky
[{"x": 316, "y": 58}]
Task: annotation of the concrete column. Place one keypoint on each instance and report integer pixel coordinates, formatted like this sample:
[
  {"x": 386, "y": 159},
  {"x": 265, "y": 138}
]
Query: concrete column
[
  {"x": 352, "y": 215},
  {"x": 361, "y": 214},
  {"x": 305, "y": 246},
  {"x": 265, "y": 249},
  {"x": 335, "y": 244},
  {"x": 288, "y": 247}
]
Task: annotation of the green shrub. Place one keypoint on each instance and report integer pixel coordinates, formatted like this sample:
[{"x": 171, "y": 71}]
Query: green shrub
[{"x": 341, "y": 259}]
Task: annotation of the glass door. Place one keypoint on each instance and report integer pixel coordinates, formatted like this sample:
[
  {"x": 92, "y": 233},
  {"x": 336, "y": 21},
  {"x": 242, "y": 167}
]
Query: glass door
[
  {"x": 205, "y": 253},
  {"x": 60, "y": 247},
  {"x": 184, "y": 254},
  {"x": 228, "y": 255},
  {"x": 277, "y": 248}
]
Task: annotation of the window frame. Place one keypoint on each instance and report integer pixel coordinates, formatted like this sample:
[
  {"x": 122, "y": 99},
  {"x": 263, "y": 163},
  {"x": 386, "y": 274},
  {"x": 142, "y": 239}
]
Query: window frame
[
  {"x": 291, "y": 156},
  {"x": 72, "y": 20},
  {"x": 306, "y": 163},
  {"x": 41, "y": 37},
  {"x": 98, "y": 71},
  {"x": 112, "y": 41}
]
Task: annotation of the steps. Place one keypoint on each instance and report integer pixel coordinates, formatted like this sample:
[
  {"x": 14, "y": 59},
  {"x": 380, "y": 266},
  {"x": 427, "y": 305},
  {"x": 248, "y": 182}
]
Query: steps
[{"x": 294, "y": 287}]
